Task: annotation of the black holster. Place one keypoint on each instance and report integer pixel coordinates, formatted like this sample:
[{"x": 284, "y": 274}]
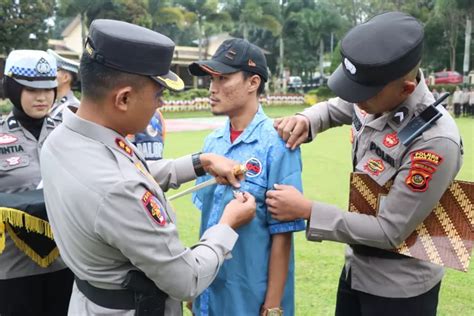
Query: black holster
[{"x": 149, "y": 299}]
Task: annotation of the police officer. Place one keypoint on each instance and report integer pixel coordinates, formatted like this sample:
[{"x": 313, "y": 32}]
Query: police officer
[
  {"x": 67, "y": 78},
  {"x": 380, "y": 90},
  {"x": 150, "y": 142},
  {"x": 112, "y": 223},
  {"x": 26, "y": 288}
]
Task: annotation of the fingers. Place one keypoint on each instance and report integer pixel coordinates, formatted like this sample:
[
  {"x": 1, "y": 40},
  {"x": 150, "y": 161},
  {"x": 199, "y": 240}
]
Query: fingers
[
  {"x": 298, "y": 135},
  {"x": 285, "y": 129},
  {"x": 239, "y": 196},
  {"x": 249, "y": 197},
  {"x": 232, "y": 180}
]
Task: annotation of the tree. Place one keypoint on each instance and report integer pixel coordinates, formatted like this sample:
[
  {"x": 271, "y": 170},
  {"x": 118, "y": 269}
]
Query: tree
[{"x": 23, "y": 24}]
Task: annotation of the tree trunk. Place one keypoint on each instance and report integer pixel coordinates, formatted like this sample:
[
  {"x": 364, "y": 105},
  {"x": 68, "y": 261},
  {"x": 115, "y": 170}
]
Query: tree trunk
[
  {"x": 467, "y": 47},
  {"x": 321, "y": 60},
  {"x": 282, "y": 66}
]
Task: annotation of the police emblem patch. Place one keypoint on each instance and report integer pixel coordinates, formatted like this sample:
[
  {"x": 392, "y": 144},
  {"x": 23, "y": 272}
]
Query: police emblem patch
[
  {"x": 374, "y": 166},
  {"x": 154, "y": 208},
  {"x": 391, "y": 140},
  {"x": 417, "y": 180},
  {"x": 7, "y": 139},
  {"x": 122, "y": 145},
  {"x": 254, "y": 167}
]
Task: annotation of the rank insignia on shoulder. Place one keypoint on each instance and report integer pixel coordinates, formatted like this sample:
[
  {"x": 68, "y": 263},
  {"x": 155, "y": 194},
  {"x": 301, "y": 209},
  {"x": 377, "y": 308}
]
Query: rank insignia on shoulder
[
  {"x": 63, "y": 99},
  {"x": 391, "y": 140},
  {"x": 426, "y": 156},
  {"x": 154, "y": 208},
  {"x": 7, "y": 139},
  {"x": 417, "y": 180},
  {"x": 122, "y": 145},
  {"x": 12, "y": 123},
  {"x": 374, "y": 166}
]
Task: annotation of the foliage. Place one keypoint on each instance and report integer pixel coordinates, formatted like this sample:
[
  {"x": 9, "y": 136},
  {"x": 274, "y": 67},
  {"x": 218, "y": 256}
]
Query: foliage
[
  {"x": 322, "y": 93},
  {"x": 23, "y": 24},
  {"x": 5, "y": 106},
  {"x": 186, "y": 95}
]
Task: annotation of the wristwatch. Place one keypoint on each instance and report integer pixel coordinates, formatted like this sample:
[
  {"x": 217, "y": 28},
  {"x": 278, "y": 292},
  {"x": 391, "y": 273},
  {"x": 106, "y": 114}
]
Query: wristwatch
[
  {"x": 274, "y": 311},
  {"x": 198, "y": 169}
]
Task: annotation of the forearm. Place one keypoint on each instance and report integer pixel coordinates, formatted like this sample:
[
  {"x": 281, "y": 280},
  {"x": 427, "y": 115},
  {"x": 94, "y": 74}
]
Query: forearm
[
  {"x": 171, "y": 173},
  {"x": 278, "y": 269}
]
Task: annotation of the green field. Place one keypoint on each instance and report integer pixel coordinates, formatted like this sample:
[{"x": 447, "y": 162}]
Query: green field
[{"x": 326, "y": 167}]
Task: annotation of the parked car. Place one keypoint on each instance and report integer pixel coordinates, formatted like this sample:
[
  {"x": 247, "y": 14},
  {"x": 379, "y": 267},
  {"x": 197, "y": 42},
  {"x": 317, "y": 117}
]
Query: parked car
[
  {"x": 448, "y": 77},
  {"x": 295, "y": 82}
]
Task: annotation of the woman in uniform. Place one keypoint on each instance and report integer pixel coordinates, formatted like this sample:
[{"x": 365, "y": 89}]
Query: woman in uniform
[{"x": 27, "y": 286}]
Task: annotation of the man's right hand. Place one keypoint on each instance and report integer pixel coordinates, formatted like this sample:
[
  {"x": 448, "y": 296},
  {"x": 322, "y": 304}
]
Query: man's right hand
[
  {"x": 240, "y": 210},
  {"x": 294, "y": 130}
]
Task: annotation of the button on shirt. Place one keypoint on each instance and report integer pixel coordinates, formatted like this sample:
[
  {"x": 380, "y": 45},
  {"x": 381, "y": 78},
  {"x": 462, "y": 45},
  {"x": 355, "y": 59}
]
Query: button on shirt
[
  {"x": 240, "y": 286},
  {"x": 378, "y": 152},
  {"x": 109, "y": 216},
  {"x": 19, "y": 172}
]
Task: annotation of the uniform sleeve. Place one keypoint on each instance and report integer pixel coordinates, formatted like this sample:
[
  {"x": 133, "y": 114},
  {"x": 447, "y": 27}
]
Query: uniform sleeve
[
  {"x": 171, "y": 173},
  {"x": 331, "y": 113},
  {"x": 135, "y": 222},
  {"x": 404, "y": 208},
  {"x": 284, "y": 168}
]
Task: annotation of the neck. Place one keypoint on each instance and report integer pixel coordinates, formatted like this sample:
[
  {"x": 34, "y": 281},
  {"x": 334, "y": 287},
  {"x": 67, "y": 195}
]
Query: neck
[
  {"x": 63, "y": 90},
  {"x": 96, "y": 113},
  {"x": 33, "y": 125},
  {"x": 240, "y": 120}
]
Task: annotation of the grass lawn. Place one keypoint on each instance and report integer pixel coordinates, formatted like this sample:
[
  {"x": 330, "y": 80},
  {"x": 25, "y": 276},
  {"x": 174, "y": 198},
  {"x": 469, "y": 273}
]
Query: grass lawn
[{"x": 326, "y": 168}]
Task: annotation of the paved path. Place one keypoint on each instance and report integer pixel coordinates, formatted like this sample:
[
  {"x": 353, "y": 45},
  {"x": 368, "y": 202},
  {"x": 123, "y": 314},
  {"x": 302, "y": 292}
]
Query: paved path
[{"x": 194, "y": 124}]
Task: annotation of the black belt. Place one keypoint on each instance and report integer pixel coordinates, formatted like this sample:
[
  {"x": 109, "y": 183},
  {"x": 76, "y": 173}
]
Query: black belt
[
  {"x": 376, "y": 252},
  {"x": 113, "y": 299}
]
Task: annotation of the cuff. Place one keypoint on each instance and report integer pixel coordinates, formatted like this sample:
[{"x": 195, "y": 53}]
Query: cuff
[
  {"x": 322, "y": 218},
  {"x": 286, "y": 227},
  {"x": 184, "y": 169},
  {"x": 224, "y": 235}
]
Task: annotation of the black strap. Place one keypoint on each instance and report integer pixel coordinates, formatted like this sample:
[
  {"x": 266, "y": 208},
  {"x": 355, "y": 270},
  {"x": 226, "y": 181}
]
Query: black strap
[
  {"x": 113, "y": 299},
  {"x": 376, "y": 252}
]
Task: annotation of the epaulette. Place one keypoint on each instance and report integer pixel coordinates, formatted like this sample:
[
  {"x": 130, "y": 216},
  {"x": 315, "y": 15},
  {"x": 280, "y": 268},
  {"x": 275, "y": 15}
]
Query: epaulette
[
  {"x": 63, "y": 99},
  {"x": 50, "y": 122},
  {"x": 12, "y": 122}
]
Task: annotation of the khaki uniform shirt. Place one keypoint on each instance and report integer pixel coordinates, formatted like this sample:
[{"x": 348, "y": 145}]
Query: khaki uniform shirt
[
  {"x": 20, "y": 171},
  {"x": 110, "y": 216},
  {"x": 378, "y": 152},
  {"x": 57, "y": 110}
]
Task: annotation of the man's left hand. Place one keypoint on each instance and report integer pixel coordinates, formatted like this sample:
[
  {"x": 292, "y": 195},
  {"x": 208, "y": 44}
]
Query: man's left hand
[
  {"x": 222, "y": 169},
  {"x": 286, "y": 203}
]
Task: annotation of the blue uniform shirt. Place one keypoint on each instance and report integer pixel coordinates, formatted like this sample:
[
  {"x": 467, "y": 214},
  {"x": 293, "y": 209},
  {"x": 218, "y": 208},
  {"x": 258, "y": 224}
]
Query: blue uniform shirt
[
  {"x": 150, "y": 142},
  {"x": 241, "y": 284}
]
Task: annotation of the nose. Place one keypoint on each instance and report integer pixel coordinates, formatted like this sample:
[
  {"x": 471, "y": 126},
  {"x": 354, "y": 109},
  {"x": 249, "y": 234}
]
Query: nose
[
  {"x": 41, "y": 95},
  {"x": 213, "y": 87}
]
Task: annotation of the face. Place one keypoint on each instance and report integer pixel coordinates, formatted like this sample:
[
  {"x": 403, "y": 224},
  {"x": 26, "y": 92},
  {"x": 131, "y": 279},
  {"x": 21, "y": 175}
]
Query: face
[
  {"x": 63, "y": 78},
  {"x": 228, "y": 93},
  {"x": 37, "y": 102},
  {"x": 386, "y": 100},
  {"x": 145, "y": 102}
]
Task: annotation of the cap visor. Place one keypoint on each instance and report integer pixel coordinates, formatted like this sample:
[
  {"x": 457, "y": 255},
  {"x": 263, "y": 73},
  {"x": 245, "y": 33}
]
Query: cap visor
[
  {"x": 38, "y": 84},
  {"x": 349, "y": 90},
  {"x": 210, "y": 67},
  {"x": 170, "y": 81}
]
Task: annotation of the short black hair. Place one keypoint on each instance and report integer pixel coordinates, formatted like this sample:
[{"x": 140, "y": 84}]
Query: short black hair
[
  {"x": 261, "y": 87},
  {"x": 96, "y": 79}
]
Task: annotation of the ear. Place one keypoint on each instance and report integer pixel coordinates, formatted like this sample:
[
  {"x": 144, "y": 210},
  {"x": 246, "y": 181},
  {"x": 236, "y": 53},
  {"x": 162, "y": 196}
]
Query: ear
[
  {"x": 408, "y": 87},
  {"x": 122, "y": 98},
  {"x": 254, "y": 83}
]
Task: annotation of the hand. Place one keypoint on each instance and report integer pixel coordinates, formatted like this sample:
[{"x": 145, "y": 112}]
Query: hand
[
  {"x": 240, "y": 210},
  {"x": 285, "y": 203},
  {"x": 222, "y": 169},
  {"x": 293, "y": 129}
]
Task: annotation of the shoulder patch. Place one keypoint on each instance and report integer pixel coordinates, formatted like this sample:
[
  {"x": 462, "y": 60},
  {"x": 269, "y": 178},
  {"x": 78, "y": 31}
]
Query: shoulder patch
[
  {"x": 418, "y": 180},
  {"x": 122, "y": 145},
  {"x": 426, "y": 156},
  {"x": 154, "y": 208},
  {"x": 374, "y": 166},
  {"x": 7, "y": 139},
  {"x": 254, "y": 167}
]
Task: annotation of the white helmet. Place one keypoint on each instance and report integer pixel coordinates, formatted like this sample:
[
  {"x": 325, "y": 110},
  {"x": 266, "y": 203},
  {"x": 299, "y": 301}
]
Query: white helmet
[{"x": 32, "y": 68}]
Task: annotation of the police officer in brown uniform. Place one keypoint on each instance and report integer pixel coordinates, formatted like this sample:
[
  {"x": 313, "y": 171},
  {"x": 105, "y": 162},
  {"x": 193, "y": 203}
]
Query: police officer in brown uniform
[
  {"x": 26, "y": 288},
  {"x": 111, "y": 220},
  {"x": 381, "y": 92}
]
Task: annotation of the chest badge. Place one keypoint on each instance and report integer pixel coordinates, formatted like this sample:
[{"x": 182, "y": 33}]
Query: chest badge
[
  {"x": 122, "y": 145},
  {"x": 254, "y": 167},
  {"x": 374, "y": 166},
  {"x": 391, "y": 140},
  {"x": 7, "y": 139}
]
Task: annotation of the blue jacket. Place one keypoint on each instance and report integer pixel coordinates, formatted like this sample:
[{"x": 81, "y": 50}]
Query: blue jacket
[{"x": 241, "y": 284}]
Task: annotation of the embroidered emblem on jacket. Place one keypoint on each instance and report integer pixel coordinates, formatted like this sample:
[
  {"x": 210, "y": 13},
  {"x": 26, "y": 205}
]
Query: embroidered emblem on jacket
[
  {"x": 374, "y": 166},
  {"x": 154, "y": 208}
]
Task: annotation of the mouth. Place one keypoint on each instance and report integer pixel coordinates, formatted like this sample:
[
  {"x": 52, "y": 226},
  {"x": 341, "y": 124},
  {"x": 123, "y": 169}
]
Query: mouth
[
  {"x": 213, "y": 101},
  {"x": 40, "y": 106}
]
